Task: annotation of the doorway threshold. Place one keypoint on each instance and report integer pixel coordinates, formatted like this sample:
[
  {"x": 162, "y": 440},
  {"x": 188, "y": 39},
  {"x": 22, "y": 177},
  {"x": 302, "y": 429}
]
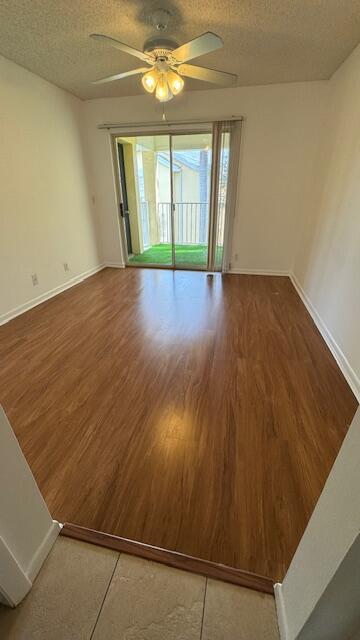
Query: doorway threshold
[{"x": 171, "y": 558}]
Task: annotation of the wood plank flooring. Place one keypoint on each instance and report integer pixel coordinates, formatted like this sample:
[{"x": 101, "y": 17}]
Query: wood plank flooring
[{"x": 197, "y": 414}]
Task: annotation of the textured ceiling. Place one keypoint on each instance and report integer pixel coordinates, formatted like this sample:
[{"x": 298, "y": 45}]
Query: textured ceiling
[{"x": 265, "y": 41}]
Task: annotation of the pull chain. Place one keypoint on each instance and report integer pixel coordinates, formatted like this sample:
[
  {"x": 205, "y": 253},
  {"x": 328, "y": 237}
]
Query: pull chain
[{"x": 163, "y": 111}]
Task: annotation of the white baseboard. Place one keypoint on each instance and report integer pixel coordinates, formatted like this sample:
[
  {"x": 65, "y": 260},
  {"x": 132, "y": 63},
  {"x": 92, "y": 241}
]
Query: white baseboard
[
  {"x": 281, "y": 614},
  {"x": 258, "y": 272},
  {"x": 16, "y": 581},
  {"x": 115, "y": 265},
  {"x": 347, "y": 370},
  {"x": 43, "y": 550},
  {"x": 17, "y": 311}
]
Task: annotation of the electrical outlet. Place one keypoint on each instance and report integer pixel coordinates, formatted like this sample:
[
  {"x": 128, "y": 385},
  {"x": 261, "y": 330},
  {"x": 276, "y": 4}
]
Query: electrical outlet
[
  {"x": 34, "y": 279},
  {"x": 236, "y": 256},
  {"x": 66, "y": 266}
]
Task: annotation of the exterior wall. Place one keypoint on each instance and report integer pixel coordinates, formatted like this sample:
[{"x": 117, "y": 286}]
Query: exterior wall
[
  {"x": 190, "y": 181},
  {"x": 149, "y": 166},
  {"x": 133, "y": 197},
  {"x": 163, "y": 190}
]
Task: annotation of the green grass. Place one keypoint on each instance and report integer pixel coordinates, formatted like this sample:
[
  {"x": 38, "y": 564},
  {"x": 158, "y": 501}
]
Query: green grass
[{"x": 162, "y": 254}]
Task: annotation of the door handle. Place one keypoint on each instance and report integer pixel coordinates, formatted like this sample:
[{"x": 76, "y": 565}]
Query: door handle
[{"x": 123, "y": 212}]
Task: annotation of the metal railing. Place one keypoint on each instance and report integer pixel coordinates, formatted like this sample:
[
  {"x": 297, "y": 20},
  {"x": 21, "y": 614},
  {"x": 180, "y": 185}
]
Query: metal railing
[{"x": 190, "y": 222}]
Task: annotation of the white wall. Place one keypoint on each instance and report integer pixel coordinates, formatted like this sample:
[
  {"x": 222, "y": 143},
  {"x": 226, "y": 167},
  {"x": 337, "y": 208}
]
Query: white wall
[
  {"x": 337, "y": 614},
  {"x": 281, "y": 134},
  {"x": 27, "y": 531},
  {"x": 319, "y": 597},
  {"x": 46, "y": 215},
  {"x": 327, "y": 266}
]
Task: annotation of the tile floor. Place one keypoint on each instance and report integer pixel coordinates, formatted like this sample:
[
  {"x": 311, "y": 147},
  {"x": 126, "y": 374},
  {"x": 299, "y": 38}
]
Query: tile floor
[{"x": 84, "y": 592}]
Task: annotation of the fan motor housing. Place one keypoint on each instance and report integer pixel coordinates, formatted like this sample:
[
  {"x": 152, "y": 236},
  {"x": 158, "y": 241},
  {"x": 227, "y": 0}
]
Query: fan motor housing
[{"x": 161, "y": 45}]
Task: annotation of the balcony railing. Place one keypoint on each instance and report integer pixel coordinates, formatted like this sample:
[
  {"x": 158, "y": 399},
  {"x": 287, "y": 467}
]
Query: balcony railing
[{"x": 190, "y": 222}]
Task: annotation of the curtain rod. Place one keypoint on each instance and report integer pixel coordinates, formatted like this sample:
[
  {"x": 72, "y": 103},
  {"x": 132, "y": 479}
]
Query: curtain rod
[{"x": 165, "y": 123}]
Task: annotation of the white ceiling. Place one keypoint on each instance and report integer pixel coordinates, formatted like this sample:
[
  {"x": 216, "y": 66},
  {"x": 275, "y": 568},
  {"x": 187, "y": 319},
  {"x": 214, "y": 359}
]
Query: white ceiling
[{"x": 266, "y": 41}]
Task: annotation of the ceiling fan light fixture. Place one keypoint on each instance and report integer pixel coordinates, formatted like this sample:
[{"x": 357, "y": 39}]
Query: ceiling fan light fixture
[
  {"x": 176, "y": 83},
  {"x": 150, "y": 80},
  {"x": 163, "y": 92},
  {"x": 168, "y": 61}
]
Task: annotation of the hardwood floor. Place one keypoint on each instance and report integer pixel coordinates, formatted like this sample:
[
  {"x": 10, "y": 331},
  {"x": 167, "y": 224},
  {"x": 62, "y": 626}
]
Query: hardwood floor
[{"x": 193, "y": 413}]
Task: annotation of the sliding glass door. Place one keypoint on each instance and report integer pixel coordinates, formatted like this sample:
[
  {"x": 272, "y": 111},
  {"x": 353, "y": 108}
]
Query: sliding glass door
[
  {"x": 191, "y": 184},
  {"x": 174, "y": 198},
  {"x": 145, "y": 184}
]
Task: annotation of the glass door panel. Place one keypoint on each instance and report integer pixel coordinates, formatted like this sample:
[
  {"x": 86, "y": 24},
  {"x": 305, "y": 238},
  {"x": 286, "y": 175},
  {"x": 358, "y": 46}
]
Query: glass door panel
[
  {"x": 146, "y": 180},
  {"x": 191, "y": 182}
]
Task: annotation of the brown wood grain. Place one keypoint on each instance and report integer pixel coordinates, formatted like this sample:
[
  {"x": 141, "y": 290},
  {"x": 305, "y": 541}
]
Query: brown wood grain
[
  {"x": 199, "y": 415},
  {"x": 171, "y": 558}
]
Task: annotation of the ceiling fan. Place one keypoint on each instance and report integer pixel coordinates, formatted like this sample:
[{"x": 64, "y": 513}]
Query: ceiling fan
[{"x": 168, "y": 61}]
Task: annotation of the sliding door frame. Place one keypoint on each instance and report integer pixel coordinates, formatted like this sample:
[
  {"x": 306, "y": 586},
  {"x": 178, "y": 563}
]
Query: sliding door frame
[
  {"x": 206, "y": 127},
  {"x": 170, "y": 132},
  {"x": 119, "y": 197}
]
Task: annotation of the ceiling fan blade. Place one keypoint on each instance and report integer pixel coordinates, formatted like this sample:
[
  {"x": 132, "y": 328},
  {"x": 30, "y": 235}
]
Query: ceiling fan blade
[
  {"x": 119, "y": 76},
  {"x": 123, "y": 47},
  {"x": 197, "y": 47},
  {"x": 207, "y": 75}
]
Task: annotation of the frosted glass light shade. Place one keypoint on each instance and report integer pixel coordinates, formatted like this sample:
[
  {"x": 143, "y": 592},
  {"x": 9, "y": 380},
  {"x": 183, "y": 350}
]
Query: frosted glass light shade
[
  {"x": 150, "y": 80},
  {"x": 163, "y": 92},
  {"x": 176, "y": 83}
]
